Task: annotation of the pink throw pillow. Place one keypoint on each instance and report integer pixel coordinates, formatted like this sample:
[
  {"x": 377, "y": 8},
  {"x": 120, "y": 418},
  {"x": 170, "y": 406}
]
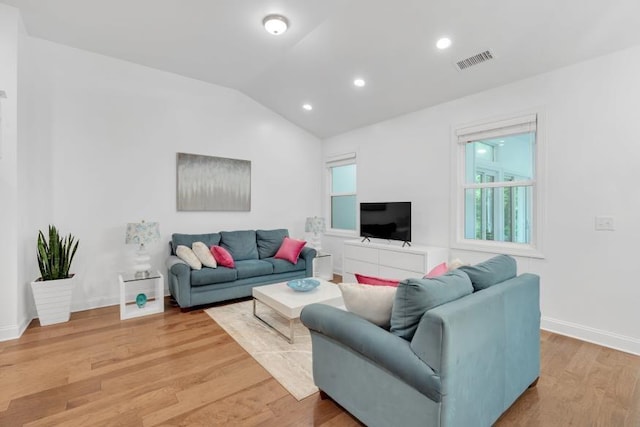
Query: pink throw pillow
[
  {"x": 290, "y": 250},
  {"x": 222, "y": 256},
  {"x": 376, "y": 281},
  {"x": 436, "y": 271}
]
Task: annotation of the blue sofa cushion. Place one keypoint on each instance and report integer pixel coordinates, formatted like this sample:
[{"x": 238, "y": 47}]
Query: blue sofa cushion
[
  {"x": 416, "y": 296},
  {"x": 240, "y": 244},
  {"x": 284, "y": 266},
  {"x": 210, "y": 239},
  {"x": 209, "y": 276},
  {"x": 253, "y": 268},
  {"x": 488, "y": 273},
  {"x": 269, "y": 241}
]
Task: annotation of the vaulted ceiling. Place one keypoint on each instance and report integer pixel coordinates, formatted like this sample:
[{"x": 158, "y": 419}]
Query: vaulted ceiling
[{"x": 389, "y": 44}]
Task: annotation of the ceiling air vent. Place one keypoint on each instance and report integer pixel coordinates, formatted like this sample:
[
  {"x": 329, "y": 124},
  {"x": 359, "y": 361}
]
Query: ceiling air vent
[{"x": 474, "y": 60}]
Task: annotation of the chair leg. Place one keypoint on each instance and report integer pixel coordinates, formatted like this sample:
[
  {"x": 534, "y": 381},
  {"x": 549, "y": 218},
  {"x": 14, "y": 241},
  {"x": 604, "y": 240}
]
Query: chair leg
[{"x": 534, "y": 383}]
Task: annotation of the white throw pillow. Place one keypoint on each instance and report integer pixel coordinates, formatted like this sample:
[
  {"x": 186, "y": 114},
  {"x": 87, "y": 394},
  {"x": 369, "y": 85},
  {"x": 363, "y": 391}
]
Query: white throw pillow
[
  {"x": 373, "y": 303},
  {"x": 204, "y": 254},
  {"x": 186, "y": 254},
  {"x": 455, "y": 264}
]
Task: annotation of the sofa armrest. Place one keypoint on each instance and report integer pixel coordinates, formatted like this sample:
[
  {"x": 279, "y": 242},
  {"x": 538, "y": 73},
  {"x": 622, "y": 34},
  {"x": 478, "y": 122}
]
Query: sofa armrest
[
  {"x": 179, "y": 280},
  {"x": 308, "y": 254},
  {"x": 390, "y": 352},
  {"x": 489, "y": 340}
]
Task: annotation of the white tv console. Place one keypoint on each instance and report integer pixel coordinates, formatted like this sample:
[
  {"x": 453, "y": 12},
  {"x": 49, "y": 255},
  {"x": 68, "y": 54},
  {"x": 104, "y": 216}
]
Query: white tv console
[{"x": 388, "y": 260}]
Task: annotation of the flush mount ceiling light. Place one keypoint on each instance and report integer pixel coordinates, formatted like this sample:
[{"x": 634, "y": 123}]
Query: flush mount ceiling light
[
  {"x": 307, "y": 107},
  {"x": 275, "y": 24},
  {"x": 443, "y": 43},
  {"x": 359, "y": 82}
]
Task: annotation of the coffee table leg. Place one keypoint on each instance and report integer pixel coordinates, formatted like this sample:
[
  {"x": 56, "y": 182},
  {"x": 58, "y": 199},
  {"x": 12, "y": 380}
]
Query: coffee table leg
[
  {"x": 288, "y": 338},
  {"x": 291, "y": 331}
]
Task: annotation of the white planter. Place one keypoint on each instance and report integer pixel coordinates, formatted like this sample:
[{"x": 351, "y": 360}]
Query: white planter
[{"x": 53, "y": 299}]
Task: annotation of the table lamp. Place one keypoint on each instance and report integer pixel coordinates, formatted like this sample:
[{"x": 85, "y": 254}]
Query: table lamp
[
  {"x": 142, "y": 233},
  {"x": 315, "y": 225}
]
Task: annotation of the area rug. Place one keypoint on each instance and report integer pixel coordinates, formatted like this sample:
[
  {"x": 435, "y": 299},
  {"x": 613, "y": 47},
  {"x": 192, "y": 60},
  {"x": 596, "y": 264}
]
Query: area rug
[{"x": 289, "y": 364}]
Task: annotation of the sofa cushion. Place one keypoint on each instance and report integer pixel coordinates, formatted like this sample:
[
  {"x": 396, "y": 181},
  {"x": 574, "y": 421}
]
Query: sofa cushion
[
  {"x": 290, "y": 249},
  {"x": 186, "y": 254},
  {"x": 376, "y": 281},
  {"x": 204, "y": 254},
  {"x": 284, "y": 266},
  {"x": 222, "y": 257},
  {"x": 187, "y": 240},
  {"x": 490, "y": 272},
  {"x": 416, "y": 296},
  {"x": 436, "y": 271},
  {"x": 241, "y": 244},
  {"x": 253, "y": 268},
  {"x": 211, "y": 276},
  {"x": 371, "y": 302},
  {"x": 269, "y": 241}
]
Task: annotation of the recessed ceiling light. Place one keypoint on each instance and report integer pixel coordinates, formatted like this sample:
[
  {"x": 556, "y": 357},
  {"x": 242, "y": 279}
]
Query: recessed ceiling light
[
  {"x": 443, "y": 43},
  {"x": 307, "y": 107},
  {"x": 275, "y": 24},
  {"x": 359, "y": 82}
]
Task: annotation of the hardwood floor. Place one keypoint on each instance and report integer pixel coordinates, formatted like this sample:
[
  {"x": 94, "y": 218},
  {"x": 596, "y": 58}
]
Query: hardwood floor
[{"x": 182, "y": 369}]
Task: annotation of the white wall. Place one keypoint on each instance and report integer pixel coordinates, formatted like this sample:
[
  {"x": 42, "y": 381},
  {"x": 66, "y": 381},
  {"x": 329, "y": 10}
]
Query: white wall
[
  {"x": 589, "y": 284},
  {"x": 109, "y": 132},
  {"x": 9, "y": 24},
  {"x": 34, "y": 180}
]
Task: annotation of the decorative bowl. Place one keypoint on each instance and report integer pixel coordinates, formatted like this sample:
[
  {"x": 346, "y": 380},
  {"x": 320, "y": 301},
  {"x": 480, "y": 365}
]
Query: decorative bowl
[
  {"x": 303, "y": 285},
  {"x": 141, "y": 300}
]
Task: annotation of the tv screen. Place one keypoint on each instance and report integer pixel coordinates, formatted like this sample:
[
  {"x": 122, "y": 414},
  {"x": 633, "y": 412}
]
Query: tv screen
[{"x": 390, "y": 220}]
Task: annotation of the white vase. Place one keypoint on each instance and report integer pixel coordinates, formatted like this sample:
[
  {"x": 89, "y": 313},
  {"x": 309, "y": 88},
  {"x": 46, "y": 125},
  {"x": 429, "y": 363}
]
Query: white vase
[{"x": 53, "y": 299}]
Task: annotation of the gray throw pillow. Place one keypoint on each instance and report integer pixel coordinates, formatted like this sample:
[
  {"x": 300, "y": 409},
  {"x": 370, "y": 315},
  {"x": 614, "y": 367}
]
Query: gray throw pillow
[
  {"x": 490, "y": 272},
  {"x": 240, "y": 244},
  {"x": 414, "y": 297},
  {"x": 269, "y": 241}
]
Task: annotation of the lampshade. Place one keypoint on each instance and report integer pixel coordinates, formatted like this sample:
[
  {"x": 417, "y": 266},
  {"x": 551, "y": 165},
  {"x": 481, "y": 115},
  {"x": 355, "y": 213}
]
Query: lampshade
[
  {"x": 315, "y": 224},
  {"x": 142, "y": 232}
]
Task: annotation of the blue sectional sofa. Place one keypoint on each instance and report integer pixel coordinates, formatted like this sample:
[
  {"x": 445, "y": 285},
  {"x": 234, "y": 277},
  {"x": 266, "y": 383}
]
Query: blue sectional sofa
[
  {"x": 253, "y": 253},
  {"x": 468, "y": 360}
]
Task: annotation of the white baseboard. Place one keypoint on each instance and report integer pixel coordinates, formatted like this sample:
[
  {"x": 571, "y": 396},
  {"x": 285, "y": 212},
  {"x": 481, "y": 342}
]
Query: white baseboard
[
  {"x": 13, "y": 332},
  {"x": 92, "y": 303},
  {"x": 592, "y": 335}
]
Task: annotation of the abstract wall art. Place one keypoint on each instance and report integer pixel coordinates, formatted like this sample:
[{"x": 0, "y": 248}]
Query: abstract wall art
[{"x": 206, "y": 183}]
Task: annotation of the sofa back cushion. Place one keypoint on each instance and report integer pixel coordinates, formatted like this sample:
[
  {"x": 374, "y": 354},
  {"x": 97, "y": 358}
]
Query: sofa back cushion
[
  {"x": 240, "y": 244},
  {"x": 188, "y": 240},
  {"x": 416, "y": 296},
  {"x": 488, "y": 273},
  {"x": 269, "y": 241}
]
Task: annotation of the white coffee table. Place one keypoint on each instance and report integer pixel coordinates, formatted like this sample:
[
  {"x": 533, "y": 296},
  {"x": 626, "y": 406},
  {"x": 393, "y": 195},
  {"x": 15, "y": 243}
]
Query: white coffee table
[{"x": 289, "y": 303}]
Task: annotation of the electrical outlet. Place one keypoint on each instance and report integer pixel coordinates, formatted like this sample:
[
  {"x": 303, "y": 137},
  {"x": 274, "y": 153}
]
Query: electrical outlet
[{"x": 604, "y": 223}]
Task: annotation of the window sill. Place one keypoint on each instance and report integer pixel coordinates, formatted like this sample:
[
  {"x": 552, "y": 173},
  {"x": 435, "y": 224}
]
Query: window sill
[
  {"x": 514, "y": 249},
  {"x": 341, "y": 233}
]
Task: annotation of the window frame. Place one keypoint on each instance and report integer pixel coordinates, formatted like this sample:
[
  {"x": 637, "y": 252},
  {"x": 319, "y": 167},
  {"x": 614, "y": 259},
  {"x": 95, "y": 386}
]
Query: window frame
[
  {"x": 331, "y": 161},
  {"x": 533, "y": 249}
]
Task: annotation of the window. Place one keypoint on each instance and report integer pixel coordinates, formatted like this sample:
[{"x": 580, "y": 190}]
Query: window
[
  {"x": 342, "y": 192},
  {"x": 497, "y": 186}
]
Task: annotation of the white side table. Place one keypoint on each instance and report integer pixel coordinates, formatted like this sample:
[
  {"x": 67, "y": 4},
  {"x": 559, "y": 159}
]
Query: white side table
[
  {"x": 323, "y": 266},
  {"x": 131, "y": 286}
]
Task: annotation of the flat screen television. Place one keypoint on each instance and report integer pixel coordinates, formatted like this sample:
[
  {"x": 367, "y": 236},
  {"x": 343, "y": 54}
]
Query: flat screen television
[{"x": 387, "y": 220}]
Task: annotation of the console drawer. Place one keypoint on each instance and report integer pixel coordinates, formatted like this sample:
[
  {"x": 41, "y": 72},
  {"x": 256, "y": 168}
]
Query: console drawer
[{"x": 403, "y": 261}]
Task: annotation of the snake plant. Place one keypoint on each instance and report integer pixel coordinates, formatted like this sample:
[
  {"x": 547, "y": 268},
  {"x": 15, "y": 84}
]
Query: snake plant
[{"x": 55, "y": 256}]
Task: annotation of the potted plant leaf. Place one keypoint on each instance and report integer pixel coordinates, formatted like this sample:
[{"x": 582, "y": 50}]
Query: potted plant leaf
[{"x": 52, "y": 291}]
